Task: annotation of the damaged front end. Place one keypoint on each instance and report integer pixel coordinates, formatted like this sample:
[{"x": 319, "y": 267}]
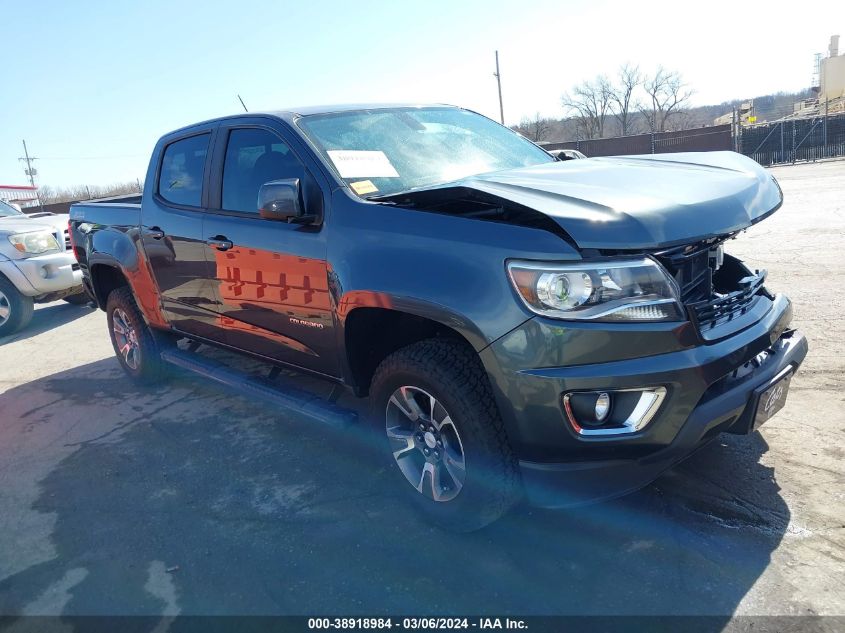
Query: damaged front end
[
  {"x": 720, "y": 293},
  {"x": 678, "y": 209}
]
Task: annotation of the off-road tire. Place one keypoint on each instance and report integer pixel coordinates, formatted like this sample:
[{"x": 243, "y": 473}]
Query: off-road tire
[
  {"x": 452, "y": 373},
  {"x": 20, "y": 306},
  {"x": 150, "y": 368}
]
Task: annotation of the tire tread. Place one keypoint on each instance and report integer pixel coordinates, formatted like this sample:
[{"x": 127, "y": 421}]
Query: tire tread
[
  {"x": 153, "y": 369},
  {"x": 453, "y": 363},
  {"x": 22, "y": 308}
]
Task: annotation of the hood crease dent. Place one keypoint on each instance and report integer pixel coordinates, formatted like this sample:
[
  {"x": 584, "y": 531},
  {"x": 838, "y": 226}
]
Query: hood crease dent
[{"x": 633, "y": 202}]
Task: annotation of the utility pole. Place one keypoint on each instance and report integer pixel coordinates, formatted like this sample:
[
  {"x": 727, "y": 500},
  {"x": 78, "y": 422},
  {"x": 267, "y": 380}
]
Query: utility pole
[
  {"x": 825, "y": 125},
  {"x": 735, "y": 130},
  {"x": 31, "y": 172},
  {"x": 498, "y": 77}
]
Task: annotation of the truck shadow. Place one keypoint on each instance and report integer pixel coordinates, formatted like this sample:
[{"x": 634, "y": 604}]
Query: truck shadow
[
  {"x": 47, "y": 317},
  {"x": 235, "y": 511}
]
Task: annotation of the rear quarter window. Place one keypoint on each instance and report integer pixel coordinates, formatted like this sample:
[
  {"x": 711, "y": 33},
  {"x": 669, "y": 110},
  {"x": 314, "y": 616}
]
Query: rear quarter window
[{"x": 182, "y": 169}]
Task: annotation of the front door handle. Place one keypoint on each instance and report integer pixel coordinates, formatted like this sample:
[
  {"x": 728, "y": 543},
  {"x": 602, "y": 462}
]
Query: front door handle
[
  {"x": 154, "y": 232},
  {"x": 220, "y": 243}
]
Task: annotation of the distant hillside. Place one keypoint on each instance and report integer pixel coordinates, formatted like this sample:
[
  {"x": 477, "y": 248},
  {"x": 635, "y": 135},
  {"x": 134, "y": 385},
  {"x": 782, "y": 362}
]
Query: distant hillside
[{"x": 766, "y": 108}]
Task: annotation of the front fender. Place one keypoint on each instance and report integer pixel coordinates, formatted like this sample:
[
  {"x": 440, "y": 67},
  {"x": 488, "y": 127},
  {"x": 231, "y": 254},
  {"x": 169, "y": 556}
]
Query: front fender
[{"x": 445, "y": 268}]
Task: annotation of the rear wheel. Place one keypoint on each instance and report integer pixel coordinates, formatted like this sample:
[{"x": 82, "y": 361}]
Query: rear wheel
[
  {"x": 134, "y": 343},
  {"x": 15, "y": 308},
  {"x": 445, "y": 436}
]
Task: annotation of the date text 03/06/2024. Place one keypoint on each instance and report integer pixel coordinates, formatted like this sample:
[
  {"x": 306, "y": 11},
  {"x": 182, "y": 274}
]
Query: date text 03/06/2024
[{"x": 414, "y": 623}]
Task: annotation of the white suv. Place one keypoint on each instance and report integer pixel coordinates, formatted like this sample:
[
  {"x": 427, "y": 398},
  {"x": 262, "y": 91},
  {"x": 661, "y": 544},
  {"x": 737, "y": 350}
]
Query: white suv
[{"x": 36, "y": 265}]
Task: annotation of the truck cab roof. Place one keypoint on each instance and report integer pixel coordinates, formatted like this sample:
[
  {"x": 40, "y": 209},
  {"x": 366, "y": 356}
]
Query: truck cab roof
[{"x": 290, "y": 114}]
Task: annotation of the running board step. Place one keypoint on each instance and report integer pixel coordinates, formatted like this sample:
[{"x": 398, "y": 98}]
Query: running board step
[{"x": 291, "y": 399}]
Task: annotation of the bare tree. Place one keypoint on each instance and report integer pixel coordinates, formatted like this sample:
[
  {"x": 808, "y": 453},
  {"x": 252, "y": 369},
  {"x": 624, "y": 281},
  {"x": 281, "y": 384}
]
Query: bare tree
[
  {"x": 683, "y": 120},
  {"x": 666, "y": 94},
  {"x": 589, "y": 103},
  {"x": 51, "y": 195},
  {"x": 621, "y": 94},
  {"x": 46, "y": 194},
  {"x": 536, "y": 128}
]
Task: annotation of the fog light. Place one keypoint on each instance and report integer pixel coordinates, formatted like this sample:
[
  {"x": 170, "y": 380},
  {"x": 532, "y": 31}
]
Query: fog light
[
  {"x": 619, "y": 412},
  {"x": 602, "y": 407}
]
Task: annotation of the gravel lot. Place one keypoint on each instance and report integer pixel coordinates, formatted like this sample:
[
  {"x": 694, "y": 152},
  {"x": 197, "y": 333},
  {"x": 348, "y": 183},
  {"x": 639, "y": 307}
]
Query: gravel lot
[{"x": 188, "y": 499}]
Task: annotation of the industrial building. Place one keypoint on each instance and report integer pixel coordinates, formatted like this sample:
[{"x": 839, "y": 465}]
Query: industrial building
[
  {"x": 744, "y": 115},
  {"x": 21, "y": 195},
  {"x": 832, "y": 79},
  {"x": 828, "y": 84}
]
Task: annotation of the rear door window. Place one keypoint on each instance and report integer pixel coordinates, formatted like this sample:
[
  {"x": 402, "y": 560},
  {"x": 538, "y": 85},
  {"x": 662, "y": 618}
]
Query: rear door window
[{"x": 182, "y": 169}]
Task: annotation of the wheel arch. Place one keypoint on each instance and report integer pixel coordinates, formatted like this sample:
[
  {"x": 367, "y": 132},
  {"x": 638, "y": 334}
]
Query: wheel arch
[
  {"x": 106, "y": 277},
  {"x": 370, "y": 333}
]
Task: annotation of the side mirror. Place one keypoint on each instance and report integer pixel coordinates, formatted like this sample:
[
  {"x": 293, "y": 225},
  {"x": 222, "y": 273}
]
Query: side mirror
[{"x": 281, "y": 200}]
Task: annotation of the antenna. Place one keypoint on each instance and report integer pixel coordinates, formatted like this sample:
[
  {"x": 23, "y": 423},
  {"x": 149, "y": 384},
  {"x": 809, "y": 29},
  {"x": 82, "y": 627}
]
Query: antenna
[
  {"x": 498, "y": 77},
  {"x": 242, "y": 103}
]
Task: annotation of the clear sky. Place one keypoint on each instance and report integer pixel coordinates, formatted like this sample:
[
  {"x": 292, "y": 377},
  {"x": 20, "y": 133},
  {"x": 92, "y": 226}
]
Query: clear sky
[{"x": 92, "y": 84}]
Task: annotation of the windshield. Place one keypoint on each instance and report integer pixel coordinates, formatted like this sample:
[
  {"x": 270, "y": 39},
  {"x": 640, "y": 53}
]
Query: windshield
[
  {"x": 383, "y": 152},
  {"x": 7, "y": 210}
]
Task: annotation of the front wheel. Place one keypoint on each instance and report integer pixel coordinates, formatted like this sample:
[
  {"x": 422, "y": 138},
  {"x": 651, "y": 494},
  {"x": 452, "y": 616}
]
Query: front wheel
[
  {"x": 15, "y": 308},
  {"x": 447, "y": 440},
  {"x": 133, "y": 341}
]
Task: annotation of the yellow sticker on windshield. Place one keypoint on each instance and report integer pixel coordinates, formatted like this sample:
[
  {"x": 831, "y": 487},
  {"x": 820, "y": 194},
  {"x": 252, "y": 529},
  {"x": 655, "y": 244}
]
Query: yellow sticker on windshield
[{"x": 363, "y": 187}]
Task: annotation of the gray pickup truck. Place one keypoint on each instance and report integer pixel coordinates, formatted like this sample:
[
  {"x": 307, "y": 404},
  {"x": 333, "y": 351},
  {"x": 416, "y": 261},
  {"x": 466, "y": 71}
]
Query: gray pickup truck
[
  {"x": 36, "y": 265},
  {"x": 520, "y": 325}
]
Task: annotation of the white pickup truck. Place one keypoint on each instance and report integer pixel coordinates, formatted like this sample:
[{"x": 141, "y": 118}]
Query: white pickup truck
[{"x": 36, "y": 265}]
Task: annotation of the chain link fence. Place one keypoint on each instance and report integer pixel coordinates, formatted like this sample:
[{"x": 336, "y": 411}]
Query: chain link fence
[
  {"x": 794, "y": 140},
  {"x": 774, "y": 143}
]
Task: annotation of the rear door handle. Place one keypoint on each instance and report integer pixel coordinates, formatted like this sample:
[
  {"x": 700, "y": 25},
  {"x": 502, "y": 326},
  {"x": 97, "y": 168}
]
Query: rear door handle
[
  {"x": 154, "y": 232},
  {"x": 220, "y": 243}
]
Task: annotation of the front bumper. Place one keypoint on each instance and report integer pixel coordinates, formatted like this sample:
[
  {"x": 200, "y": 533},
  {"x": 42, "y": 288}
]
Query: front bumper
[
  {"x": 557, "y": 485},
  {"x": 560, "y": 468},
  {"x": 43, "y": 274}
]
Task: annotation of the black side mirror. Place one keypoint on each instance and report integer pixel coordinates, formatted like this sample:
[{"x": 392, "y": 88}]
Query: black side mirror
[{"x": 281, "y": 200}]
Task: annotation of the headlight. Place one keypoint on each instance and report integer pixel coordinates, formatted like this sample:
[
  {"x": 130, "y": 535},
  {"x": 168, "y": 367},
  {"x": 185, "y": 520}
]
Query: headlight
[
  {"x": 619, "y": 290},
  {"x": 34, "y": 243}
]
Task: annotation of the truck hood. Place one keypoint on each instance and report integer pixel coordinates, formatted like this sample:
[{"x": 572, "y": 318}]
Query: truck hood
[
  {"x": 24, "y": 223},
  {"x": 639, "y": 202}
]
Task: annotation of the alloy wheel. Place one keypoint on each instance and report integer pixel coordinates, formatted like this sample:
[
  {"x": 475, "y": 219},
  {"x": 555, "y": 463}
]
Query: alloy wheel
[
  {"x": 425, "y": 443},
  {"x": 5, "y": 308},
  {"x": 126, "y": 339}
]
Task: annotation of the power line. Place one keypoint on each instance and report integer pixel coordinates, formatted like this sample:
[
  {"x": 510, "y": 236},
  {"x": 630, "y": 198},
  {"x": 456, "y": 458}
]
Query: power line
[{"x": 93, "y": 157}]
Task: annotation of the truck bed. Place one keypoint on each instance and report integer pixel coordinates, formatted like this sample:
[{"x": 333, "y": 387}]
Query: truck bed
[{"x": 114, "y": 214}]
